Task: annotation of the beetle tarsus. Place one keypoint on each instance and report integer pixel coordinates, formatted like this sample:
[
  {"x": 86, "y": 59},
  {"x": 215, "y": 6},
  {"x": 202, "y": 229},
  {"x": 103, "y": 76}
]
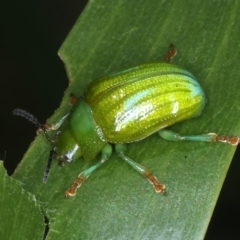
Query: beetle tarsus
[
  {"x": 71, "y": 192},
  {"x": 171, "y": 53},
  {"x": 231, "y": 140},
  {"x": 159, "y": 187}
]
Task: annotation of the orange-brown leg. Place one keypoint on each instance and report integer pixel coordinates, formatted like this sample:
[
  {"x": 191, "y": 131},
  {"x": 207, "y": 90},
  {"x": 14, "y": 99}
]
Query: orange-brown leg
[{"x": 170, "y": 53}]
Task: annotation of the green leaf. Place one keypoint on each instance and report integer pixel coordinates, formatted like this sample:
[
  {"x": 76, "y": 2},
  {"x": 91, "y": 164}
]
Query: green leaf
[
  {"x": 115, "y": 202},
  {"x": 20, "y": 216}
]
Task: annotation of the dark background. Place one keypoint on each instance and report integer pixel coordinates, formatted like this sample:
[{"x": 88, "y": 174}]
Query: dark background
[{"x": 33, "y": 77}]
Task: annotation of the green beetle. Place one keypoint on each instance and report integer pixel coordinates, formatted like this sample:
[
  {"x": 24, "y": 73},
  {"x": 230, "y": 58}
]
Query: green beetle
[{"x": 127, "y": 107}]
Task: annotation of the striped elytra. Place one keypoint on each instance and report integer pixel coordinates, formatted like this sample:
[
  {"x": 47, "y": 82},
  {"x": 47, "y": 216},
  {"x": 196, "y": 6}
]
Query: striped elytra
[{"x": 133, "y": 104}]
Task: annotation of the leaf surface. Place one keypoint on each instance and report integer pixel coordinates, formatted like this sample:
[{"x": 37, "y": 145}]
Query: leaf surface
[
  {"x": 115, "y": 202},
  {"x": 21, "y": 216}
]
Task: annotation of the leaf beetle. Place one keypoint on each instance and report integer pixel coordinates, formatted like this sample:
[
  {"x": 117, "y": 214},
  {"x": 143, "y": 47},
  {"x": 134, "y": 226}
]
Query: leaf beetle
[{"x": 126, "y": 107}]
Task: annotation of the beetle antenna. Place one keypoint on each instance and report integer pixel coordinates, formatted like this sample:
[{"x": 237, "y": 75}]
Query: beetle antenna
[
  {"x": 46, "y": 173},
  {"x": 31, "y": 118}
]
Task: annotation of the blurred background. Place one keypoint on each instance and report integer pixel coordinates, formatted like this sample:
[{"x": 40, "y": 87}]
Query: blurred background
[{"x": 33, "y": 77}]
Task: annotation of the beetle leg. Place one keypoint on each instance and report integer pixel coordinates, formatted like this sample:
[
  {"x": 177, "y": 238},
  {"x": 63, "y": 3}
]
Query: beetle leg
[
  {"x": 210, "y": 137},
  {"x": 106, "y": 153},
  {"x": 49, "y": 127},
  {"x": 170, "y": 53},
  {"x": 159, "y": 187},
  {"x": 56, "y": 126}
]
